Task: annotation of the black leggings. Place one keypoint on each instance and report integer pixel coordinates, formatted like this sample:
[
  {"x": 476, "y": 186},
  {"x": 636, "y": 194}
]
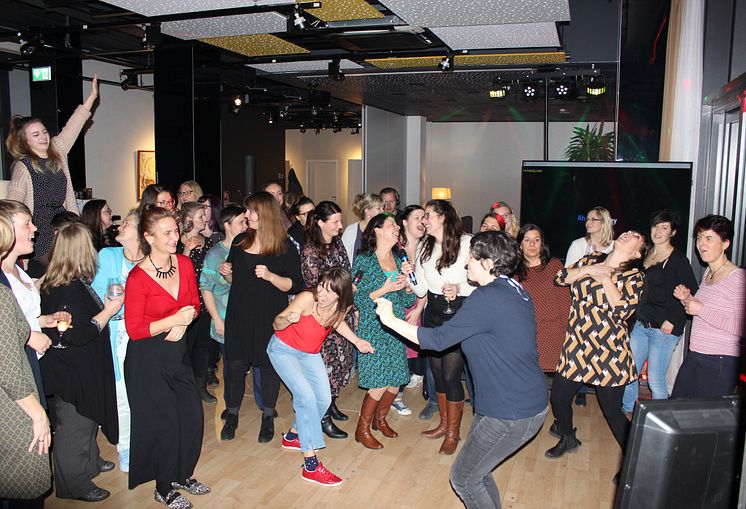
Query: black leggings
[
  {"x": 447, "y": 365},
  {"x": 609, "y": 398},
  {"x": 235, "y": 384},
  {"x": 198, "y": 343}
]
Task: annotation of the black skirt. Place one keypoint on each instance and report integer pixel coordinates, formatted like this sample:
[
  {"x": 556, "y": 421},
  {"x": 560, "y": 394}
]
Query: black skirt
[
  {"x": 166, "y": 411},
  {"x": 434, "y": 317}
]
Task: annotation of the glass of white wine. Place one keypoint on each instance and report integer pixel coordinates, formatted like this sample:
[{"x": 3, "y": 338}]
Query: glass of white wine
[
  {"x": 115, "y": 290},
  {"x": 62, "y": 326}
]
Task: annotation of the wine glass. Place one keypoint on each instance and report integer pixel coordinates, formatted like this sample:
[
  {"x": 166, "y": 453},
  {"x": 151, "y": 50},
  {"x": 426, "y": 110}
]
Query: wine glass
[
  {"x": 62, "y": 326},
  {"x": 115, "y": 290},
  {"x": 448, "y": 310}
]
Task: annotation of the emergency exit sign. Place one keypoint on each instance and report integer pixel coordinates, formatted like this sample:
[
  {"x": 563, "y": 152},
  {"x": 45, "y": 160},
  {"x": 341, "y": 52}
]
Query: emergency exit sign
[{"x": 41, "y": 73}]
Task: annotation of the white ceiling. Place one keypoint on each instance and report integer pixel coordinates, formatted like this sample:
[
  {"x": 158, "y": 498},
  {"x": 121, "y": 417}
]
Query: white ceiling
[
  {"x": 518, "y": 35},
  {"x": 163, "y": 7},
  {"x": 314, "y": 65},
  {"x": 224, "y": 26}
]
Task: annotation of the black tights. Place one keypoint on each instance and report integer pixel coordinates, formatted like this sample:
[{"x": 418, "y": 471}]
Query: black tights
[
  {"x": 609, "y": 398},
  {"x": 235, "y": 384},
  {"x": 198, "y": 343},
  {"x": 447, "y": 369}
]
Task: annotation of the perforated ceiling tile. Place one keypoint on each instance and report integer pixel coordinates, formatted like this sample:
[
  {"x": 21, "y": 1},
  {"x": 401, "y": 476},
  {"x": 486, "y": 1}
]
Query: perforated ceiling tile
[
  {"x": 405, "y": 63},
  {"x": 161, "y": 7},
  {"x": 313, "y": 65},
  {"x": 447, "y": 13},
  {"x": 549, "y": 57},
  {"x": 520, "y": 35},
  {"x": 340, "y": 10},
  {"x": 256, "y": 45},
  {"x": 245, "y": 24}
]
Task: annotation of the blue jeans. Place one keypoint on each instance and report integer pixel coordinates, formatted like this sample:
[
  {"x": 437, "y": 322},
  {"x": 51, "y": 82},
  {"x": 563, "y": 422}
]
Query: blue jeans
[
  {"x": 304, "y": 374},
  {"x": 656, "y": 347},
  {"x": 490, "y": 441}
]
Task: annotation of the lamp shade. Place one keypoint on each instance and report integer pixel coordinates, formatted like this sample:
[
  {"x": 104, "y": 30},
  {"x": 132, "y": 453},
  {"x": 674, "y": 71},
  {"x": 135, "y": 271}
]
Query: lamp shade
[{"x": 441, "y": 193}]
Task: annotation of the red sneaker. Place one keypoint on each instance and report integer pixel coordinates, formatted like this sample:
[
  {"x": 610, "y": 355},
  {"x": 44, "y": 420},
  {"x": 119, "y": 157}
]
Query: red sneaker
[
  {"x": 293, "y": 444},
  {"x": 321, "y": 476}
]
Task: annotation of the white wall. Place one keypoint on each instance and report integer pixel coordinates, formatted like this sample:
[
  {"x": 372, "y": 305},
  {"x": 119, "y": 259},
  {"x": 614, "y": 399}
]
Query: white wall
[
  {"x": 327, "y": 145},
  {"x": 123, "y": 123},
  {"x": 385, "y": 146}
]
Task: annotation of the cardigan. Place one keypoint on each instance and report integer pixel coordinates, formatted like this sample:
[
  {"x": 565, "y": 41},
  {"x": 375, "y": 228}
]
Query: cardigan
[{"x": 22, "y": 189}]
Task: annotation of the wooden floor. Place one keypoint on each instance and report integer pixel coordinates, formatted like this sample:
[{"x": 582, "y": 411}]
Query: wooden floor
[{"x": 407, "y": 473}]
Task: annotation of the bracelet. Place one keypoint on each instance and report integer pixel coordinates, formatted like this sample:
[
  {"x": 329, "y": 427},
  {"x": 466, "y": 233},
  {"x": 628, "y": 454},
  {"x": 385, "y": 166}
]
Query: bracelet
[{"x": 96, "y": 324}]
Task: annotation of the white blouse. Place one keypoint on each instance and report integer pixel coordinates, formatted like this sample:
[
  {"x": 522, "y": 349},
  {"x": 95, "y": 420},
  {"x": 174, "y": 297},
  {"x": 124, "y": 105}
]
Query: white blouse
[
  {"x": 429, "y": 279},
  {"x": 580, "y": 248},
  {"x": 28, "y": 297}
]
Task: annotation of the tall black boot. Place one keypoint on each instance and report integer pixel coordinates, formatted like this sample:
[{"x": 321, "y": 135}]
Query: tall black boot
[
  {"x": 202, "y": 391},
  {"x": 330, "y": 429},
  {"x": 567, "y": 443},
  {"x": 335, "y": 412}
]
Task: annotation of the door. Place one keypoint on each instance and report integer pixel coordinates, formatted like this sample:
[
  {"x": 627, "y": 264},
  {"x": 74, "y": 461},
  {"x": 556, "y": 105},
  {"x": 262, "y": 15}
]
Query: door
[{"x": 323, "y": 178}]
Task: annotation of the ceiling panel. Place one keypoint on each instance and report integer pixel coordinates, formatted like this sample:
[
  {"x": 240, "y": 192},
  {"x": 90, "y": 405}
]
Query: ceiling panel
[
  {"x": 446, "y": 13},
  {"x": 163, "y": 7},
  {"x": 341, "y": 10},
  {"x": 518, "y": 35},
  {"x": 313, "y": 65},
  {"x": 517, "y": 59},
  {"x": 224, "y": 26},
  {"x": 256, "y": 45}
]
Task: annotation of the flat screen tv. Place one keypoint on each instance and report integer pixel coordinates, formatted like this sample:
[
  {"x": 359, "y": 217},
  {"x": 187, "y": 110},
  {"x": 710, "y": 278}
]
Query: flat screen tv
[
  {"x": 556, "y": 195},
  {"x": 683, "y": 453}
]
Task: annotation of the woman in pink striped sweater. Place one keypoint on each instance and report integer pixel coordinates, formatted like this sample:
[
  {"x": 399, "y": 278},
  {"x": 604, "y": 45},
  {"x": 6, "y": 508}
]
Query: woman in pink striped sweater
[{"x": 712, "y": 366}]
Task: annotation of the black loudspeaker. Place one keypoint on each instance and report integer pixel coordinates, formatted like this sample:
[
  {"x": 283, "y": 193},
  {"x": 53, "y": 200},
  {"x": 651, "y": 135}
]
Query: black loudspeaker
[
  {"x": 683, "y": 453},
  {"x": 249, "y": 174}
]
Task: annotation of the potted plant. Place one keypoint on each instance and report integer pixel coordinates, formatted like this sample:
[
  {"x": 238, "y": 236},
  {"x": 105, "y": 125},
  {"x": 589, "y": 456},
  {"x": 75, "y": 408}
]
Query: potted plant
[{"x": 590, "y": 144}]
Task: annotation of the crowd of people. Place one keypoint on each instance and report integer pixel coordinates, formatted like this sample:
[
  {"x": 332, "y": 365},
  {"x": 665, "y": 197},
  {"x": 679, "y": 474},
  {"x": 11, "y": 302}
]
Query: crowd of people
[{"x": 121, "y": 328}]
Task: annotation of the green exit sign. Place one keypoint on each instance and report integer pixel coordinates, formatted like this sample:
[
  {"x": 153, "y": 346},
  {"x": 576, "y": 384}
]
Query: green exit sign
[{"x": 41, "y": 73}]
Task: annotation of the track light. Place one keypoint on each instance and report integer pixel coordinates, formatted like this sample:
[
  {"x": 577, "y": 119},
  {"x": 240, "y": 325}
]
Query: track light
[
  {"x": 446, "y": 63},
  {"x": 270, "y": 119},
  {"x": 595, "y": 86},
  {"x": 238, "y": 101},
  {"x": 299, "y": 21},
  {"x": 498, "y": 91},
  {"x": 529, "y": 90}
]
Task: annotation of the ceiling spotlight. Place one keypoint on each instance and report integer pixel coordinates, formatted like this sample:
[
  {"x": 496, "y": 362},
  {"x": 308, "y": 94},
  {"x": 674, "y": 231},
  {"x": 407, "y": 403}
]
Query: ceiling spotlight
[
  {"x": 498, "y": 91},
  {"x": 238, "y": 101},
  {"x": 446, "y": 63},
  {"x": 270, "y": 119},
  {"x": 314, "y": 111},
  {"x": 561, "y": 89},
  {"x": 299, "y": 21},
  {"x": 530, "y": 90},
  {"x": 595, "y": 86},
  {"x": 29, "y": 48},
  {"x": 302, "y": 130}
]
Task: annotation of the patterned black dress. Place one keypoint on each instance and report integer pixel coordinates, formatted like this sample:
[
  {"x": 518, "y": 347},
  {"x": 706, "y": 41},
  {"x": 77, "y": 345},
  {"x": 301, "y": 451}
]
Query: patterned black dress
[
  {"x": 50, "y": 189},
  {"x": 596, "y": 350},
  {"x": 337, "y": 352}
]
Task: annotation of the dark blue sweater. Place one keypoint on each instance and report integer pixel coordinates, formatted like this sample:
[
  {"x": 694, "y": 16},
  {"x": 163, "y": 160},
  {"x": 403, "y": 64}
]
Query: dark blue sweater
[{"x": 497, "y": 332}]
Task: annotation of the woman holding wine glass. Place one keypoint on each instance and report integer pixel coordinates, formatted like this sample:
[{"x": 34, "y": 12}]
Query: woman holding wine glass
[
  {"x": 114, "y": 265},
  {"x": 80, "y": 373},
  {"x": 441, "y": 276}
]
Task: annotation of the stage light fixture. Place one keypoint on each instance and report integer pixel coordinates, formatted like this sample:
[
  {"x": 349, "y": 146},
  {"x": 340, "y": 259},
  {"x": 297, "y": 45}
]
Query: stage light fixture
[
  {"x": 238, "y": 101},
  {"x": 299, "y": 21},
  {"x": 498, "y": 91},
  {"x": 446, "y": 63},
  {"x": 595, "y": 86},
  {"x": 529, "y": 90}
]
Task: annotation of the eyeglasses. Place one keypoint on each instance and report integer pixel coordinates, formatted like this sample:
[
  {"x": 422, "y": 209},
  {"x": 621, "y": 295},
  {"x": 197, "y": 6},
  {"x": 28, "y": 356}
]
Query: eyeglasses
[
  {"x": 184, "y": 193},
  {"x": 428, "y": 214},
  {"x": 593, "y": 219},
  {"x": 307, "y": 212},
  {"x": 164, "y": 203},
  {"x": 507, "y": 214}
]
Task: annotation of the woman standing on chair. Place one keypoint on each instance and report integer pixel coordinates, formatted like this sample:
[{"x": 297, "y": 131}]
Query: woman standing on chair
[
  {"x": 40, "y": 174},
  {"x": 323, "y": 249},
  {"x": 294, "y": 351},
  {"x": 385, "y": 370},
  {"x": 441, "y": 276},
  {"x": 263, "y": 267},
  {"x": 161, "y": 300}
]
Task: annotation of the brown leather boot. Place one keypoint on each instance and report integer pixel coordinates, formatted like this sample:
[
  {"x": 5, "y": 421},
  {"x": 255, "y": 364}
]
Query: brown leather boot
[
  {"x": 439, "y": 430},
  {"x": 379, "y": 421},
  {"x": 453, "y": 427},
  {"x": 362, "y": 433}
]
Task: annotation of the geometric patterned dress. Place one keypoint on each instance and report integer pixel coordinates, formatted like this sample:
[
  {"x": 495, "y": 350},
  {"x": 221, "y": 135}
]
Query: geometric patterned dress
[{"x": 596, "y": 350}]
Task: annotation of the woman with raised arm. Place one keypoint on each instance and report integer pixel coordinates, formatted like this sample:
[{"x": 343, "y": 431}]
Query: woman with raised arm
[
  {"x": 294, "y": 351},
  {"x": 161, "y": 300},
  {"x": 263, "y": 267},
  {"x": 712, "y": 365},
  {"x": 40, "y": 174},
  {"x": 510, "y": 396}
]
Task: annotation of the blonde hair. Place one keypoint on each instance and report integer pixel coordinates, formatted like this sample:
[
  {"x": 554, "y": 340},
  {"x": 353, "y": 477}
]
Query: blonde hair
[
  {"x": 194, "y": 186},
  {"x": 363, "y": 202},
  {"x": 607, "y": 228},
  {"x": 17, "y": 144},
  {"x": 8, "y": 209},
  {"x": 271, "y": 233},
  {"x": 72, "y": 257},
  {"x": 7, "y": 235}
]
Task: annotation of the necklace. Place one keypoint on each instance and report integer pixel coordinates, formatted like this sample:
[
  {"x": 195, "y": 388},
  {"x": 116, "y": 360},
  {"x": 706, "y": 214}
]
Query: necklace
[
  {"x": 161, "y": 273},
  {"x": 712, "y": 273},
  {"x": 134, "y": 262}
]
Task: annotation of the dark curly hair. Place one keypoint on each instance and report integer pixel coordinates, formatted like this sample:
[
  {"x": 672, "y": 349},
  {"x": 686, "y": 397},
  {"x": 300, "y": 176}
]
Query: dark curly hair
[
  {"x": 368, "y": 244},
  {"x": 721, "y": 225},
  {"x": 499, "y": 247}
]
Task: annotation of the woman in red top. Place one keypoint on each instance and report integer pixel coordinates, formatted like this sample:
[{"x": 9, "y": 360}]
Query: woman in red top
[
  {"x": 294, "y": 352},
  {"x": 161, "y": 300}
]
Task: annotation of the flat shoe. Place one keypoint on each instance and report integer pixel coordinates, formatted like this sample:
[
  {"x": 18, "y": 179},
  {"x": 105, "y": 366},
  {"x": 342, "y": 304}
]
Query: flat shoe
[
  {"x": 192, "y": 486},
  {"x": 95, "y": 495},
  {"x": 106, "y": 466}
]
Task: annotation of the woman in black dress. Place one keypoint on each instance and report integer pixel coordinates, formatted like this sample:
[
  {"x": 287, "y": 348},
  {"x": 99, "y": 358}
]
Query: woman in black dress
[
  {"x": 78, "y": 370},
  {"x": 324, "y": 249},
  {"x": 263, "y": 267}
]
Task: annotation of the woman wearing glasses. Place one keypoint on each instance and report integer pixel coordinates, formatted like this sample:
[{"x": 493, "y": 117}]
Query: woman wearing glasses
[
  {"x": 188, "y": 191},
  {"x": 156, "y": 195},
  {"x": 301, "y": 211},
  {"x": 505, "y": 211},
  {"x": 599, "y": 236}
]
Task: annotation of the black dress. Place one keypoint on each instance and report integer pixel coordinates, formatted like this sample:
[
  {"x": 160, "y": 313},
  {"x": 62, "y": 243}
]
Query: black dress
[{"x": 50, "y": 189}]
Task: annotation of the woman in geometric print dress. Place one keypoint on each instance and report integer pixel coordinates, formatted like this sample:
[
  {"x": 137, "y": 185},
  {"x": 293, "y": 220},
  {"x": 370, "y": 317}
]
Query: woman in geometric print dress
[
  {"x": 323, "y": 249},
  {"x": 605, "y": 292}
]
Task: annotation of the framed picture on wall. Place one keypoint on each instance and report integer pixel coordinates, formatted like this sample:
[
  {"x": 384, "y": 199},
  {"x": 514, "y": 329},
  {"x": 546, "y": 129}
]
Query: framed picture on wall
[{"x": 145, "y": 170}]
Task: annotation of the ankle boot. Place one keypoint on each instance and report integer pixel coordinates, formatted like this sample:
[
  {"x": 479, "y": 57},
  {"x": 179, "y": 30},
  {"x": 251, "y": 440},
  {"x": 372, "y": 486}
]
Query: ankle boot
[
  {"x": 330, "y": 429},
  {"x": 439, "y": 430},
  {"x": 267, "y": 429},
  {"x": 362, "y": 433},
  {"x": 202, "y": 391},
  {"x": 335, "y": 412},
  {"x": 379, "y": 421},
  {"x": 567, "y": 443},
  {"x": 212, "y": 380},
  {"x": 453, "y": 427}
]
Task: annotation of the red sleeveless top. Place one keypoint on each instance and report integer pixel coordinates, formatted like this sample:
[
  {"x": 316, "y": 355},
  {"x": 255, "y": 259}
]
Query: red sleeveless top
[{"x": 306, "y": 335}]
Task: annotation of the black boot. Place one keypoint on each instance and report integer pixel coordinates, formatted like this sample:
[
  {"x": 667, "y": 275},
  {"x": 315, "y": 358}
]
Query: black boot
[
  {"x": 335, "y": 412},
  {"x": 567, "y": 443},
  {"x": 267, "y": 431},
  {"x": 212, "y": 380},
  {"x": 202, "y": 391},
  {"x": 554, "y": 429},
  {"x": 229, "y": 428},
  {"x": 580, "y": 399},
  {"x": 330, "y": 429}
]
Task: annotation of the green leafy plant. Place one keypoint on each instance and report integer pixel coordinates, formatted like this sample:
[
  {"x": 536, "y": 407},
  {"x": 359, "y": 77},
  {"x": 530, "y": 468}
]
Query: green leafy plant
[{"x": 590, "y": 144}]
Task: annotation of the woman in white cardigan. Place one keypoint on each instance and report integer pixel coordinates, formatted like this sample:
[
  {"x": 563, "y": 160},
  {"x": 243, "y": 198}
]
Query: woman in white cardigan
[{"x": 365, "y": 206}]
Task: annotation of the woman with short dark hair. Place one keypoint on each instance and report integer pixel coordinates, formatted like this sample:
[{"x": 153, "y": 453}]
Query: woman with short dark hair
[
  {"x": 510, "y": 397},
  {"x": 719, "y": 316}
]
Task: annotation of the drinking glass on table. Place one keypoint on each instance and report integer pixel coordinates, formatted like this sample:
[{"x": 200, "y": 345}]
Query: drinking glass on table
[
  {"x": 448, "y": 310},
  {"x": 115, "y": 290},
  {"x": 62, "y": 325}
]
